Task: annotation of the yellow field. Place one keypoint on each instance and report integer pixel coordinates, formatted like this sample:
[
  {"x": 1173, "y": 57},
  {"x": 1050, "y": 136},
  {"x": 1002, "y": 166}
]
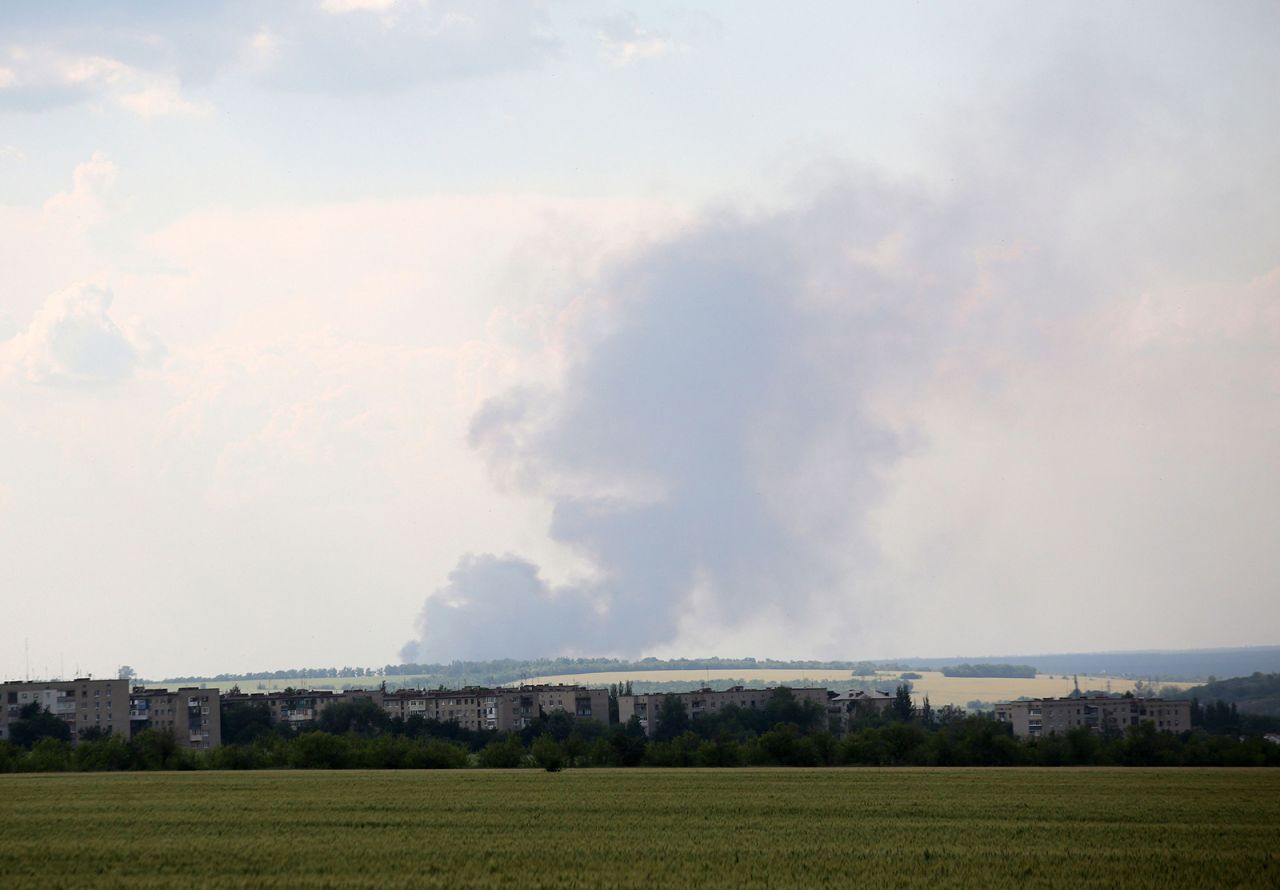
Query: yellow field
[{"x": 940, "y": 690}]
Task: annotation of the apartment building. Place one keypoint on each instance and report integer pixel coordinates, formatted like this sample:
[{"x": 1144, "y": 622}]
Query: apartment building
[
  {"x": 1103, "y": 715},
  {"x": 519, "y": 706},
  {"x": 504, "y": 709},
  {"x": 296, "y": 708},
  {"x": 710, "y": 701},
  {"x": 472, "y": 708},
  {"x": 193, "y": 715},
  {"x": 82, "y": 703},
  {"x": 846, "y": 707}
]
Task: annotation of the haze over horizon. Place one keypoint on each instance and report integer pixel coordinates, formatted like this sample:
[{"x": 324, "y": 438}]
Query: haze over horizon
[{"x": 347, "y": 331}]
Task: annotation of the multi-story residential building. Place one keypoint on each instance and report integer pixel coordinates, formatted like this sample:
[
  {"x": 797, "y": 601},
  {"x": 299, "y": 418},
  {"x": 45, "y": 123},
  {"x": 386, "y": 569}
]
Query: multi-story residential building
[
  {"x": 472, "y": 708},
  {"x": 845, "y": 708},
  {"x": 1038, "y": 717},
  {"x": 193, "y": 715},
  {"x": 709, "y": 701},
  {"x": 505, "y": 708},
  {"x": 297, "y": 708},
  {"x": 82, "y": 703},
  {"x": 519, "y": 706}
]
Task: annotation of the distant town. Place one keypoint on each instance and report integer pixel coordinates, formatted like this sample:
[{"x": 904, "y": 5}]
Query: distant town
[
  {"x": 880, "y": 713},
  {"x": 93, "y": 709}
]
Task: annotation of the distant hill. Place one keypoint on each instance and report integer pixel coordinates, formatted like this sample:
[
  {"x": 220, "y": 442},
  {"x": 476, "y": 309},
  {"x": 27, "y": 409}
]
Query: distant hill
[
  {"x": 1257, "y": 693},
  {"x": 1173, "y": 664},
  {"x": 507, "y": 670},
  {"x": 1187, "y": 664},
  {"x": 989, "y": 670}
]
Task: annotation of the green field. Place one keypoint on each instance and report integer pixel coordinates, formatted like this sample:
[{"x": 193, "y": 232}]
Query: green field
[{"x": 642, "y": 828}]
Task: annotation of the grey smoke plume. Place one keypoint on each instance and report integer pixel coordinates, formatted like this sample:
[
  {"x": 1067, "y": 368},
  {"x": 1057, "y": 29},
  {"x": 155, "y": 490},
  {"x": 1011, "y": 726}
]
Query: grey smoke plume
[
  {"x": 715, "y": 439},
  {"x": 1005, "y": 402}
]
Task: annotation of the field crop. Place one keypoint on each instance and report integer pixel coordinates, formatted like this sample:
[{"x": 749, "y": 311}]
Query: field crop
[
  {"x": 941, "y": 690},
  {"x": 644, "y": 829}
]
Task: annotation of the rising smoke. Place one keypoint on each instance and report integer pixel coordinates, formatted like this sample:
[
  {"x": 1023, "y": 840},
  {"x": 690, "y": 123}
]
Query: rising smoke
[
  {"x": 715, "y": 440},
  {"x": 996, "y": 404}
]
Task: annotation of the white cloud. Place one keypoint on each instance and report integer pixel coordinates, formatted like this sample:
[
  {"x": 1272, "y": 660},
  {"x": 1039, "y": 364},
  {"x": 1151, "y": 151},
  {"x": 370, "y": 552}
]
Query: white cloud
[
  {"x": 85, "y": 204},
  {"x": 625, "y": 42},
  {"x": 39, "y": 77},
  {"x": 159, "y": 100},
  {"x": 374, "y": 45},
  {"x": 73, "y": 340},
  {"x": 343, "y": 6}
]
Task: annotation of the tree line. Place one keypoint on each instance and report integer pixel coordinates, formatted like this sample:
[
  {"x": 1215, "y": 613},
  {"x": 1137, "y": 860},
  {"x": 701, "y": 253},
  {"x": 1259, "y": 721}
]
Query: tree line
[
  {"x": 785, "y": 732},
  {"x": 505, "y": 670},
  {"x": 1023, "y": 671}
]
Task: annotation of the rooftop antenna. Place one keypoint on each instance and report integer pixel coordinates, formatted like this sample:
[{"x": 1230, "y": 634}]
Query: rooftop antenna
[{"x": 26, "y": 643}]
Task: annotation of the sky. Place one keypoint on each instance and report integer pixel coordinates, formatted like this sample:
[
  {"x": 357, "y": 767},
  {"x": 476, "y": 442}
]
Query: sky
[{"x": 347, "y": 332}]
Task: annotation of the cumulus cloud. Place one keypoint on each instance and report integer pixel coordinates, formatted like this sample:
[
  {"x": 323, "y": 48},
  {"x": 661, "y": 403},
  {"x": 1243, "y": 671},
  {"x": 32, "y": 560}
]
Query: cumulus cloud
[
  {"x": 73, "y": 340},
  {"x": 35, "y": 78}
]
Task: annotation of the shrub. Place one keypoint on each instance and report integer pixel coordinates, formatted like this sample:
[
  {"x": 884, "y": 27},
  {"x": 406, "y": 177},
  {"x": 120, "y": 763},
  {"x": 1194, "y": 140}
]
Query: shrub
[
  {"x": 505, "y": 753},
  {"x": 547, "y": 754}
]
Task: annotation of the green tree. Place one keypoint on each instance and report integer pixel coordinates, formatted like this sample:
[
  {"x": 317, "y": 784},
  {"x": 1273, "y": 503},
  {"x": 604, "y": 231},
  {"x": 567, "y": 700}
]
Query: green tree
[
  {"x": 673, "y": 719},
  {"x": 35, "y": 723},
  {"x": 504, "y": 753},
  {"x": 8, "y": 756},
  {"x": 362, "y": 716},
  {"x": 724, "y": 751},
  {"x": 901, "y": 708},
  {"x": 109, "y": 753},
  {"x": 783, "y": 707},
  {"x": 153, "y": 749},
  {"x": 574, "y": 747},
  {"x": 243, "y": 723},
  {"x": 319, "y": 750},
  {"x": 49, "y": 755},
  {"x": 547, "y": 754}
]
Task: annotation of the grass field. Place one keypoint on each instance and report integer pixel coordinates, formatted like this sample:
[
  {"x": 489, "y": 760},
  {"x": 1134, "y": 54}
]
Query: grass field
[{"x": 644, "y": 829}]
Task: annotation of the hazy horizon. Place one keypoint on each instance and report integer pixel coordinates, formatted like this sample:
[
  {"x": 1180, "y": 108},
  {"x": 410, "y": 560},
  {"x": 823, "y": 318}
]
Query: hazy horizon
[{"x": 353, "y": 331}]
